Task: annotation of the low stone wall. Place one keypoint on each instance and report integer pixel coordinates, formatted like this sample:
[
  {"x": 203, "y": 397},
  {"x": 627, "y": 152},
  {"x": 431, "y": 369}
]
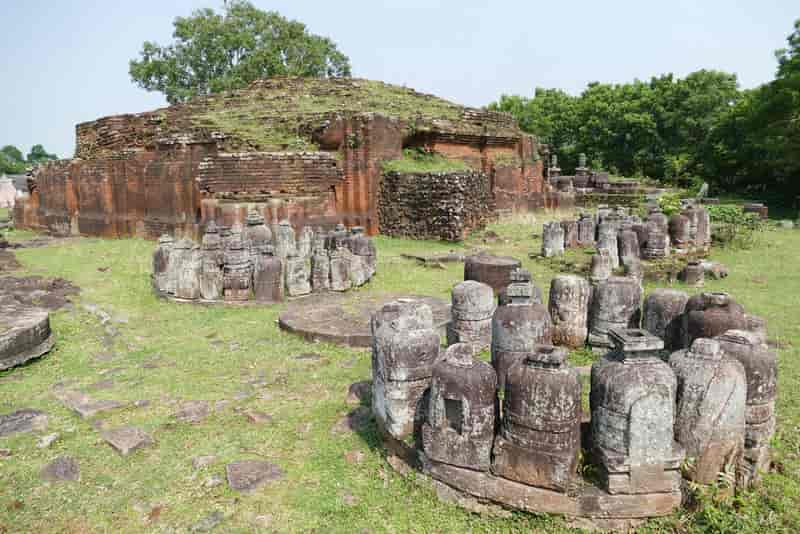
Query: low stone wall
[{"x": 444, "y": 206}]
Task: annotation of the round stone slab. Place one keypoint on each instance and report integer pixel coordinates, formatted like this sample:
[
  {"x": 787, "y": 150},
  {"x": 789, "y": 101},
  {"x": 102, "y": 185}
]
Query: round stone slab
[
  {"x": 24, "y": 333},
  {"x": 344, "y": 318}
]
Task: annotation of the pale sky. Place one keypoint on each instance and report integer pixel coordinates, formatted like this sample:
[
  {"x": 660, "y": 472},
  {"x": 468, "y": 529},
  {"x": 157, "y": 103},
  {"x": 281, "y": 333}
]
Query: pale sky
[{"x": 66, "y": 61}]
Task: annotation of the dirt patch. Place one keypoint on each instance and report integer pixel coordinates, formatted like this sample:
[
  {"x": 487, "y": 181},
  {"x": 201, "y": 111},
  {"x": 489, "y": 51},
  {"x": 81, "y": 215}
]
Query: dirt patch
[{"x": 48, "y": 293}]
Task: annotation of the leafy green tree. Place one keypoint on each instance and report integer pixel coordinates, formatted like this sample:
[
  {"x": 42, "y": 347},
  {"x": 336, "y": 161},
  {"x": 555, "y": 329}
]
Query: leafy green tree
[
  {"x": 11, "y": 160},
  {"x": 214, "y": 52},
  {"x": 39, "y": 155}
]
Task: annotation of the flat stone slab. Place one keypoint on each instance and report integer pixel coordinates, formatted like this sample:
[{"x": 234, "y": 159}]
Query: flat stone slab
[
  {"x": 248, "y": 475},
  {"x": 24, "y": 420},
  {"x": 344, "y": 318},
  {"x": 62, "y": 469},
  {"x": 126, "y": 439},
  {"x": 84, "y": 405},
  {"x": 24, "y": 333}
]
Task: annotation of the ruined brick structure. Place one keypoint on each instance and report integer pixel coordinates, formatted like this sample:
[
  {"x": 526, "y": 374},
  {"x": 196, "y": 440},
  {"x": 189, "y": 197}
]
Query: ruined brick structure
[{"x": 306, "y": 150}]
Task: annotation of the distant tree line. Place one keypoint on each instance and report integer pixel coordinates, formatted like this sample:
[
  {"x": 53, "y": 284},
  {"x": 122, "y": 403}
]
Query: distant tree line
[
  {"x": 679, "y": 130},
  {"x": 13, "y": 162}
]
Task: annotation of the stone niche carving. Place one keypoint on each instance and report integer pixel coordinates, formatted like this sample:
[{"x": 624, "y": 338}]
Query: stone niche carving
[
  {"x": 616, "y": 303},
  {"x": 761, "y": 372},
  {"x": 552, "y": 239},
  {"x": 710, "y": 315},
  {"x": 633, "y": 412},
  {"x": 710, "y": 418},
  {"x": 518, "y": 326},
  {"x": 662, "y": 316},
  {"x": 569, "y": 310},
  {"x": 472, "y": 309},
  {"x": 459, "y": 429},
  {"x": 540, "y": 430},
  {"x": 405, "y": 348},
  {"x": 238, "y": 265}
]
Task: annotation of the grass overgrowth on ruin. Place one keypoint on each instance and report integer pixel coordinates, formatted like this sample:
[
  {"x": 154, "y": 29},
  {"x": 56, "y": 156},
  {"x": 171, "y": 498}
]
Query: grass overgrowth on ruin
[
  {"x": 167, "y": 353},
  {"x": 419, "y": 161}
]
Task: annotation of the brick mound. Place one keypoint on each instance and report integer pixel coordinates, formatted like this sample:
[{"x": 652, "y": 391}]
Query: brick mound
[
  {"x": 24, "y": 333},
  {"x": 345, "y": 319}
]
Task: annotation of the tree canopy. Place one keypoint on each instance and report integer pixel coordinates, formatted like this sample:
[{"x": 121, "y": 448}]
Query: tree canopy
[
  {"x": 214, "y": 52},
  {"x": 701, "y": 127},
  {"x": 13, "y": 162}
]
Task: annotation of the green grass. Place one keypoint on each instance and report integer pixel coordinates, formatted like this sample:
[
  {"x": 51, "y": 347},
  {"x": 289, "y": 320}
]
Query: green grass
[
  {"x": 213, "y": 353},
  {"x": 414, "y": 161}
]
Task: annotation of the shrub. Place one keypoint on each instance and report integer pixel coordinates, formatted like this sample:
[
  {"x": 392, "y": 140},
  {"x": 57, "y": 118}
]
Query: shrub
[
  {"x": 670, "y": 203},
  {"x": 732, "y": 227}
]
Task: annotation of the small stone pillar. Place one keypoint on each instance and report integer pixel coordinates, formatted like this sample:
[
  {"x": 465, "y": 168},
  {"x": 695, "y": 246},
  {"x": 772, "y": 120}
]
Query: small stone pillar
[
  {"x": 237, "y": 273},
  {"x": 459, "y": 429},
  {"x": 320, "y": 267},
  {"x": 607, "y": 240},
  {"x": 601, "y": 269},
  {"x": 711, "y": 314},
  {"x": 405, "y": 347},
  {"x": 540, "y": 430},
  {"x": 552, "y": 239},
  {"x": 693, "y": 274},
  {"x": 305, "y": 242},
  {"x": 518, "y": 326},
  {"x": 285, "y": 244},
  {"x": 586, "y": 230},
  {"x": 628, "y": 245},
  {"x": 472, "y": 309},
  {"x": 657, "y": 243},
  {"x": 298, "y": 276},
  {"x": 340, "y": 269},
  {"x": 616, "y": 303},
  {"x": 633, "y": 412},
  {"x": 692, "y": 213},
  {"x": 758, "y": 326},
  {"x": 161, "y": 265},
  {"x": 359, "y": 246},
  {"x": 256, "y": 235},
  {"x": 662, "y": 316},
  {"x": 761, "y": 372},
  {"x": 181, "y": 249},
  {"x": 570, "y": 233},
  {"x": 187, "y": 285},
  {"x": 680, "y": 233},
  {"x": 267, "y": 280},
  {"x": 211, "y": 275},
  {"x": 494, "y": 271},
  {"x": 710, "y": 418},
  {"x": 569, "y": 310}
]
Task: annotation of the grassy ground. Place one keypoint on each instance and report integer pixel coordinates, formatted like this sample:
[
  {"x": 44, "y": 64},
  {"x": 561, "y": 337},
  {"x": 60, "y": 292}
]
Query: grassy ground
[{"x": 335, "y": 482}]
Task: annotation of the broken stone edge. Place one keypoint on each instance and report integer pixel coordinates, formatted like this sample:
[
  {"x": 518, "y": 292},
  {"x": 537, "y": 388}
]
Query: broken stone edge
[
  {"x": 29, "y": 354},
  {"x": 589, "y": 502}
]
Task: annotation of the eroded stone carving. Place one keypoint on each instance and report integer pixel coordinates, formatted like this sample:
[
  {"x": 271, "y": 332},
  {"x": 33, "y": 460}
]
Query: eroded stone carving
[
  {"x": 569, "y": 310},
  {"x": 711, "y": 314},
  {"x": 211, "y": 259},
  {"x": 552, "y": 239},
  {"x": 616, "y": 303},
  {"x": 472, "y": 309},
  {"x": 662, "y": 316},
  {"x": 161, "y": 265},
  {"x": 586, "y": 230},
  {"x": 238, "y": 268},
  {"x": 267, "y": 281}
]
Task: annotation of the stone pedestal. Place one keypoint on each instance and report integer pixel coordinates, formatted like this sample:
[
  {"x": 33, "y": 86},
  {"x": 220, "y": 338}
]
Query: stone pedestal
[
  {"x": 472, "y": 309},
  {"x": 569, "y": 310},
  {"x": 494, "y": 271}
]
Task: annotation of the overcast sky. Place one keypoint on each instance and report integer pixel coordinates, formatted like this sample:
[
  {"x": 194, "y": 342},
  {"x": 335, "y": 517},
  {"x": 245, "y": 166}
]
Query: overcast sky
[{"x": 66, "y": 61}]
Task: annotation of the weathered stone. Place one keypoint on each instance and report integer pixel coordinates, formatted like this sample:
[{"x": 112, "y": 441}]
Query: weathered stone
[
  {"x": 248, "y": 475},
  {"x": 201, "y": 462},
  {"x": 607, "y": 240},
  {"x": 662, "y": 316},
  {"x": 518, "y": 326},
  {"x": 657, "y": 242},
  {"x": 24, "y": 333},
  {"x": 62, "y": 469},
  {"x": 632, "y": 268},
  {"x": 710, "y": 418},
  {"x": 758, "y": 326},
  {"x": 267, "y": 281},
  {"x": 459, "y": 429},
  {"x": 693, "y": 274},
  {"x": 211, "y": 260},
  {"x": 552, "y": 239},
  {"x": 25, "y": 420},
  {"x": 616, "y": 303},
  {"x": 126, "y": 439},
  {"x": 48, "y": 440},
  {"x": 298, "y": 277},
  {"x": 601, "y": 268},
  {"x": 285, "y": 244},
  {"x": 586, "y": 230},
  {"x": 472, "y": 309},
  {"x": 715, "y": 270},
  {"x": 628, "y": 245},
  {"x": 256, "y": 235},
  {"x": 570, "y": 233},
  {"x": 363, "y": 249},
  {"x": 357, "y": 270},
  {"x": 359, "y": 392},
  {"x": 711, "y": 314},
  {"x": 84, "y": 405},
  {"x": 405, "y": 348},
  {"x": 659, "y": 220},
  {"x": 193, "y": 412},
  {"x": 161, "y": 265},
  {"x": 340, "y": 269},
  {"x": 237, "y": 275},
  {"x": 633, "y": 412},
  {"x": 209, "y": 522},
  {"x": 761, "y": 371},
  {"x": 540, "y": 430},
  {"x": 320, "y": 270},
  {"x": 187, "y": 285},
  {"x": 569, "y": 310},
  {"x": 305, "y": 243},
  {"x": 494, "y": 271},
  {"x": 680, "y": 232}
]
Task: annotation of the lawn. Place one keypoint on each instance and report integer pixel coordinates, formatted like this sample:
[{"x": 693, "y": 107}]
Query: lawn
[{"x": 238, "y": 359}]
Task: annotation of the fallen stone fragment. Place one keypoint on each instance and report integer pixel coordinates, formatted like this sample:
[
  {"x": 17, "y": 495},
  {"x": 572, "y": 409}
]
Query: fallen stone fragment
[
  {"x": 212, "y": 482},
  {"x": 248, "y": 475},
  {"x": 126, "y": 439},
  {"x": 192, "y": 412},
  {"x": 24, "y": 333},
  {"x": 47, "y": 440},
  {"x": 208, "y": 523},
  {"x": 359, "y": 392},
  {"x": 61, "y": 469},
  {"x": 84, "y": 405},
  {"x": 199, "y": 462},
  {"x": 256, "y": 417},
  {"x": 24, "y": 420}
]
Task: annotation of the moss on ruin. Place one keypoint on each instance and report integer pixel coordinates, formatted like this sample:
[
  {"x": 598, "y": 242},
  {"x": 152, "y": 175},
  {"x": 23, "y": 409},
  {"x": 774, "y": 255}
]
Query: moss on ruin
[{"x": 417, "y": 161}]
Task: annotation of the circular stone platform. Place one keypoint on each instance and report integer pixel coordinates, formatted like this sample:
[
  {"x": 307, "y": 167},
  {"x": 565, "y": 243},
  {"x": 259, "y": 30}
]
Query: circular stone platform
[
  {"x": 344, "y": 318},
  {"x": 24, "y": 333}
]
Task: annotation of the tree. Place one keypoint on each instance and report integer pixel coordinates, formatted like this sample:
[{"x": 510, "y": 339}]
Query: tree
[
  {"x": 11, "y": 160},
  {"x": 216, "y": 52},
  {"x": 39, "y": 155}
]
